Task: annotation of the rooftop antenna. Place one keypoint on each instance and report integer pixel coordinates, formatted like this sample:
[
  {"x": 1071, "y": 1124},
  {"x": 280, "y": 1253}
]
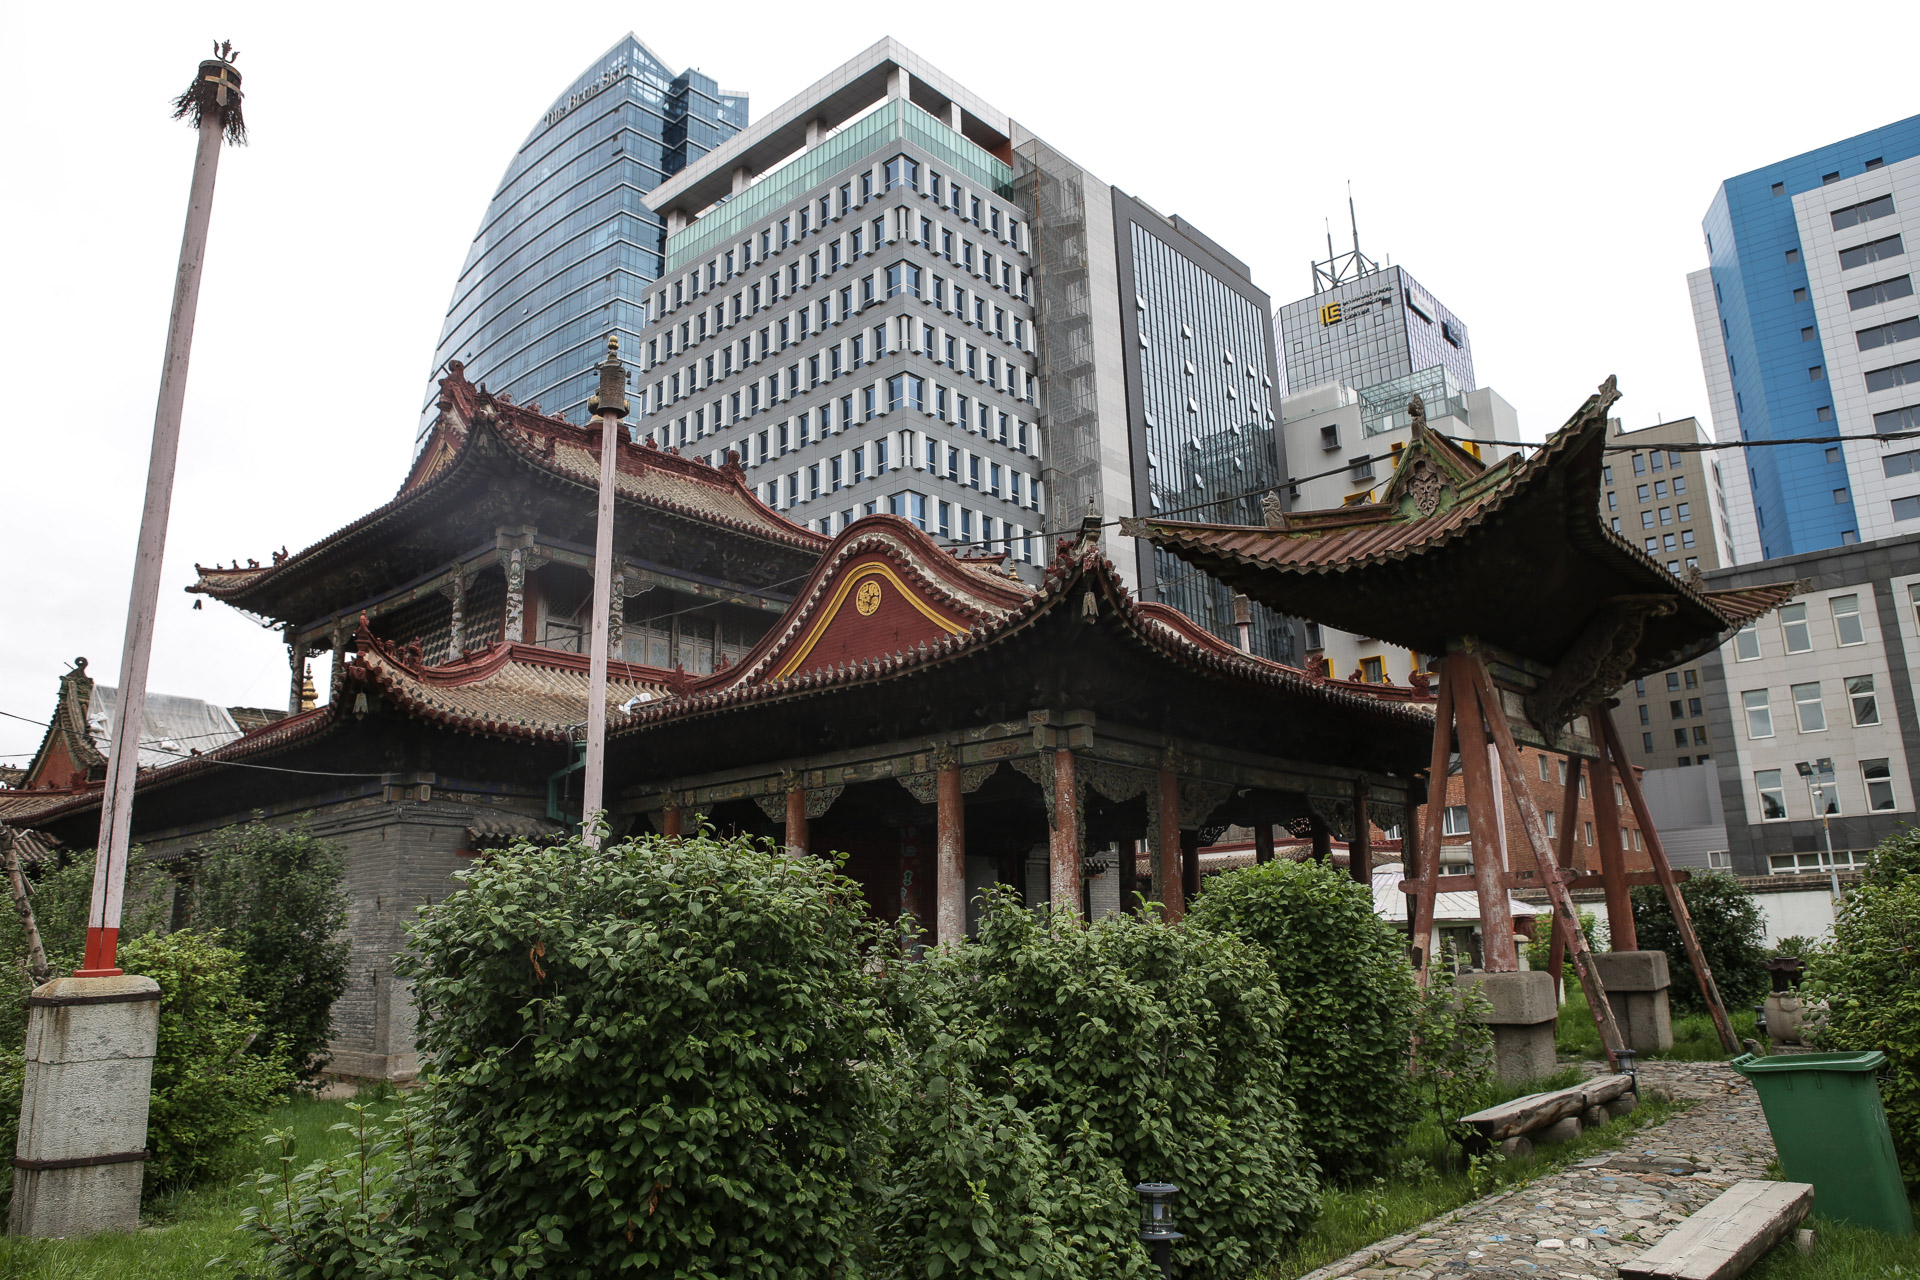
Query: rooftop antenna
[{"x": 1341, "y": 268}]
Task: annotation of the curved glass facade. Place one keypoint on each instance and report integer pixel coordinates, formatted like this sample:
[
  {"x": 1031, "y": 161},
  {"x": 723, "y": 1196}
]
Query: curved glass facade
[{"x": 566, "y": 250}]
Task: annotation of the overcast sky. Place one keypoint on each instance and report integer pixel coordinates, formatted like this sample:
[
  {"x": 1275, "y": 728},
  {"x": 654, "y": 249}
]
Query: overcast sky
[{"x": 1542, "y": 169}]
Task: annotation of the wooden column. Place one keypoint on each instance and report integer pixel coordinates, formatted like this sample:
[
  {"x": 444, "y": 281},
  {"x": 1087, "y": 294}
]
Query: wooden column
[
  {"x": 1569, "y": 827},
  {"x": 1063, "y": 845},
  {"x": 1498, "y": 954},
  {"x": 1263, "y": 842},
  {"x": 1494, "y": 717},
  {"x": 950, "y": 845},
  {"x": 1129, "y": 871},
  {"x": 670, "y": 820},
  {"x": 1166, "y": 847},
  {"x": 1189, "y": 864},
  {"x": 796, "y": 832},
  {"x": 1322, "y": 838},
  {"x": 1613, "y": 858},
  {"x": 1677, "y": 905},
  {"x": 1557, "y": 954},
  {"x": 1420, "y": 914},
  {"x": 1360, "y": 842}
]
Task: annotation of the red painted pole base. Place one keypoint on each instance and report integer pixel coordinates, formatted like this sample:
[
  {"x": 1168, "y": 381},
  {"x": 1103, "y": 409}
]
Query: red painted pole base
[{"x": 103, "y": 947}]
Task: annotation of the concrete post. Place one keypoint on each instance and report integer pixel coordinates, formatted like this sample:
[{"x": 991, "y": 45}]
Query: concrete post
[
  {"x": 950, "y": 844},
  {"x": 1525, "y": 1012},
  {"x": 83, "y": 1113},
  {"x": 816, "y": 130},
  {"x": 953, "y": 116},
  {"x": 1636, "y": 983}
]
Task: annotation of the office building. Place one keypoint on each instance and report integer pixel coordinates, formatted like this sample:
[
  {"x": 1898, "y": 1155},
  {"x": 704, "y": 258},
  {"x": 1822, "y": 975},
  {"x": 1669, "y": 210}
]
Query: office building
[
  {"x": 887, "y": 296},
  {"x": 1827, "y": 677},
  {"x": 567, "y": 250},
  {"x": 1670, "y": 501},
  {"x": 1369, "y": 325},
  {"x": 1808, "y": 326},
  {"x": 1343, "y": 443}
]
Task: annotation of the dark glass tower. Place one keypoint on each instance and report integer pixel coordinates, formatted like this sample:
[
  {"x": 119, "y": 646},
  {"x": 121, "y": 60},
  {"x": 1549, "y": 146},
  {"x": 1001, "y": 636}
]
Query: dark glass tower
[{"x": 566, "y": 250}]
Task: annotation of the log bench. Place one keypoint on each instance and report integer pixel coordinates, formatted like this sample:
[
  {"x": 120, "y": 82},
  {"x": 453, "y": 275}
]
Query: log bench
[
  {"x": 1723, "y": 1238},
  {"x": 1513, "y": 1126}
]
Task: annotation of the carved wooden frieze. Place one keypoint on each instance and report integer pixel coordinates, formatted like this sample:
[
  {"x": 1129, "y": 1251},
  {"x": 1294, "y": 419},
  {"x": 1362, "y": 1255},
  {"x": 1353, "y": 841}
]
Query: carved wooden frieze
[
  {"x": 1040, "y": 769},
  {"x": 1116, "y": 782},
  {"x": 820, "y": 799}
]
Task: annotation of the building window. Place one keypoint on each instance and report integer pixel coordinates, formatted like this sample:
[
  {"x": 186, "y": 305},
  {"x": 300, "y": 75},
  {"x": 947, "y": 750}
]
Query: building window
[
  {"x": 1872, "y": 295},
  {"x": 1680, "y": 737},
  {"x": 1872, "y": 251},
  {"x": 1866, "y": 211},
  {"x": 1646, "y": 742},
  {"x": 1773, "y": 797},
  {"x": 1807, "y": 708},
  {"x": 1373, "y": 670},
  {"x": 1553, "y": 824},
  {"x": 1906, "y": 509},
  {"x": 1759, "y": 713},
  {"x": 1454, "y": 821},
  {"x": 1794, "y": 629},
  {"x": 1899, "y": 375},
  {"x": 1846, "y": 619},
  {"x": 1643, "y": 715},
  {"x": 1878, "y": 775},
  {"x": 1700, "y": 736},
  {"x": 1815, "y": 373},
  {"x": 1746, "y": 643}
]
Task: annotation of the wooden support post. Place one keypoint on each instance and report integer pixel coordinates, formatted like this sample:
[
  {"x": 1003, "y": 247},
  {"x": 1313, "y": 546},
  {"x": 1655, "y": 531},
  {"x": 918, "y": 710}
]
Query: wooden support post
[
  {"x": 1569, "y": 826},
  {"x": 1189, "y": 864},
  {"x": 1360, "y": 842},
  {"x": 1420, "y": 911},
  {"x": 1322, "y": 837},
  {"x": 796, "y": 832},
  {"x": 1262, "y": 842},
  {"x": 1613, "y": 858},
  {"x": 611, "y": 407},
  {"x": 1498, "y": 954},
  {"x": 1166, "y": 848},
  {"x": 1495, "y": 720},
  {"x": 1129, "y": 858},
  {"x": 670, "y": 820},
  {"x": 1557, "y": 954},
  {"x": 1677, "y": 905},
  {"x": 1063, "y": 845},
  {"x": 950, "y": 844}
]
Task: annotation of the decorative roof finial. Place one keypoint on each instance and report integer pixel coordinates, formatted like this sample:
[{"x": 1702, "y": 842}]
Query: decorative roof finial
[
  {"x": 215, "y": 93},
  {"x": 1417, "y": 412},
  {"x": 611, "y": 398}
]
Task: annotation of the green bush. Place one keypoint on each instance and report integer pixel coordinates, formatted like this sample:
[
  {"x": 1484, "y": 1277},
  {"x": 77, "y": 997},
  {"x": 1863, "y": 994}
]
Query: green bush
[
  {"x": 1895, "y": 859},
  {"x": 1453, "y": 1060},
  {"x": 1142, "y": 1051},
  {"x": 1351, "y": 998},
  {"x": 1870, "y": 980},
  {"x": 1540, "y": 948},
  {"x": 275, "y": 894},
  {"x": 661, "y": 1058},
  {"x": 1731, "y": 931},
  {"x": 208, "y": 1091}
]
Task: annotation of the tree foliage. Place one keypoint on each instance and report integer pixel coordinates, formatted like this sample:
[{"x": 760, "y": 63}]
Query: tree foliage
[
  {"x": 1731, "y": 931},
  {"x": 275, "y": 894},
  {"x": 1351, "y": 998}
]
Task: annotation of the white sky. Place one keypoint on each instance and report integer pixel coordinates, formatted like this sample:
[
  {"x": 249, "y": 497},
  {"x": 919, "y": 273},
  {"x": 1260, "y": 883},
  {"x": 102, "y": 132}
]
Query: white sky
[{"x": 1541, "y": 168}]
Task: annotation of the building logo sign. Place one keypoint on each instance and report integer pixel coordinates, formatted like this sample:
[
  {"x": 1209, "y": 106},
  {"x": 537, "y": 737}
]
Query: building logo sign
[{"x": 1330, "y": 314}]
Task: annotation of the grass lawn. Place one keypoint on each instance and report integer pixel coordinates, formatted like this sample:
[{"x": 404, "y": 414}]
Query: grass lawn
[
  {"x": 1428, "y": 1177},
  {"x": 1694, "y": 1038},
  {"x": 1842, "y": 1252},
  {"x": 182, "y": 1231}
]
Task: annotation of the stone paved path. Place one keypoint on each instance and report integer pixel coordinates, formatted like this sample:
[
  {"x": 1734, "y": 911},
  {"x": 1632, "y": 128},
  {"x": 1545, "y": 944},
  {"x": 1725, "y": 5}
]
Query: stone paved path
[{"x": 1584, "y": 1220}]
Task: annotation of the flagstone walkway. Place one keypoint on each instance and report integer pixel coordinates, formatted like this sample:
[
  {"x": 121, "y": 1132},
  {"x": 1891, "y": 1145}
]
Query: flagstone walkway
[{"x": 1584, "y": 1220}]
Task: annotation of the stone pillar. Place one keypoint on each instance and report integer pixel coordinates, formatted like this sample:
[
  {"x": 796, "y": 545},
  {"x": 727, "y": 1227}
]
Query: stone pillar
[
  {"x": 950, "y": 845},
  {"x": 899, "y": 83},
  {"x": 796, "y": 832},
  {"x": 953, "y": 116},
  {"x": 83, "y": 1112},
  {"x": 1525, "y": 1011},
  {"x": 1613, "y": 862},
  {"x": 816, "y": 131},
  {"x": 1063, "y": 845},
  {"x": 1263, "y": 842},
  {"x": 1166, "y": 843},
  {"x": 676, "y": 221},
  {"x": 1636, "y": 983}
]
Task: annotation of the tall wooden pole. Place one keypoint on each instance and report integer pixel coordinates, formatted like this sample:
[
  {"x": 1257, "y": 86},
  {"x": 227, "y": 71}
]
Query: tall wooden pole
[
  {"x": 1677, "y": 905},
  {"x": 1498, "y": 952},
  {"x": 1166, "y": 848},
  {"x": 950, "y": 848},
  {"x": 1569, "y": 823},
  {"x": 213, "y": 104},
  {"x": 610, "y": 405},
  {"x": 1613, "y": 855},
  {"x": 1431, "y": 827}
]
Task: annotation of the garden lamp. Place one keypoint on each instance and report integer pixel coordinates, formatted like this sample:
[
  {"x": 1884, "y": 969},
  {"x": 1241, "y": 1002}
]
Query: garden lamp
[{"x": 1156, "y": 1223}]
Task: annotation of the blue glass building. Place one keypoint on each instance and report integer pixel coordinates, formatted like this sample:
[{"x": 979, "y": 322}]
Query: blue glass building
[
  {"x": 1771, "y": 293},
  {"x": 566, "y": 250}
]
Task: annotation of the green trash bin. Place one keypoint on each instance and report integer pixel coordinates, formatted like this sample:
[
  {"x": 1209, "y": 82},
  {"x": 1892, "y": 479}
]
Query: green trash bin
[{"x": 1830, "y": 1129}]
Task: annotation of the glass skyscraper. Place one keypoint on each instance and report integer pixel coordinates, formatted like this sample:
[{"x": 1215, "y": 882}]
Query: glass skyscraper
[{"x": 566, "y": 250}]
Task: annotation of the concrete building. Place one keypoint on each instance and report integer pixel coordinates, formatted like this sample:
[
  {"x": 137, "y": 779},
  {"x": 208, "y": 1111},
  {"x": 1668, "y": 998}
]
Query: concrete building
[
  {"x": 1367, "y": 326},
  {"x": 1807, "y": 323},
  {"x": 1343, "y": 443},
  {"x": 566, "y": 250},
  {"x": 1671, "y": 502},
  {"x": 1828, "y": 676},
  {"x": 887, "y": 296}
]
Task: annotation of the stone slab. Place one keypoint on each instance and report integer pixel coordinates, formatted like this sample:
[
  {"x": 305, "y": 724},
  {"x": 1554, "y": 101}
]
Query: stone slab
[
  {"x": 1632, "y": 970},
  {"x": 1518, "y": 999}
]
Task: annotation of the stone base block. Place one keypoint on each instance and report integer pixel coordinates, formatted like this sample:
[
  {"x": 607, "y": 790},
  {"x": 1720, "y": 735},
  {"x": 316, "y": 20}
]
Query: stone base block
[
  {"x": 83, "y": 1110},
  {"x": 1784, "y": 1016},
  {"x": 1559, "y": 1131},
  {"x": 1636, "y": 983},
  {"x": 1524, "y": 1014}
]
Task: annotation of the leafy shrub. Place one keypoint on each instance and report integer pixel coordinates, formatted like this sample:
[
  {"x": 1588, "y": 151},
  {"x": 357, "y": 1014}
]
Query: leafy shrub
[
  {"x": 655, "y": 1058},
  {"x": 208, "y": 1091},
  {"x": 1453, "y": 1060},
  {"x": 1139, "y": 1049},
  {"x": 1731, "y": 930},
  {"x": 275, "y": 894},
  {"x": 1870, "y": 979},
  {"x": 1351, "y": 998},
  {"x": 1540, "y": 949},
  {"x": 62, "y": 895},
  {"x": 1895, "y": 859}
]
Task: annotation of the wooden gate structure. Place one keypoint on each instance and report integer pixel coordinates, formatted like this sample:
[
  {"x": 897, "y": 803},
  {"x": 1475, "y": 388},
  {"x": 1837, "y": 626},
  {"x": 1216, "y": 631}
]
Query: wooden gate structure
[{"x": 1504, "y": 580}]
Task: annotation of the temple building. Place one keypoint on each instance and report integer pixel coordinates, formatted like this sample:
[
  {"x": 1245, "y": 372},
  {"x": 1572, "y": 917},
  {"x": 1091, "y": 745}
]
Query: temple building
[{"x": 930, "y": 715}]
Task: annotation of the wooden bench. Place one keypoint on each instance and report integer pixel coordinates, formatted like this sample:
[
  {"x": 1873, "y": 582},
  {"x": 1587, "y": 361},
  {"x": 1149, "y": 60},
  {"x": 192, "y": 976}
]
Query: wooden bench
[
  {"x": 1537, "y": 1111},
  {"x": 1729, "y": 1235}
]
